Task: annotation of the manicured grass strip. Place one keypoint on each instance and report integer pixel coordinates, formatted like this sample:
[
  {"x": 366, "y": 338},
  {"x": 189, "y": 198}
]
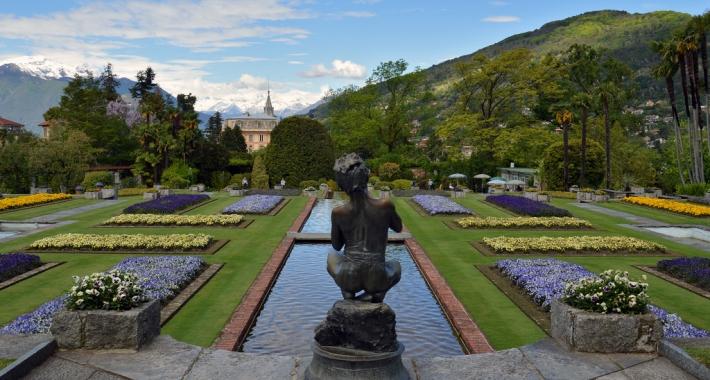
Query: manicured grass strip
[
  {"x": 486, "y": 250},
  {"x": 653, "y": 213},
  {"x": 169, "y": 310},
  {"x": 497, "y": 207},
  {"x": 197, "y": 205},
  {"x": 419, "y": 209},
  {"x": 675, "y": 281},
  {"x": 210, "y": 249},
  {"x": 535, "y": 312},
  {"x": 5, "y": 362},
  {"x": 701, "y": 354},
  {"x": 28, "y": 274}
]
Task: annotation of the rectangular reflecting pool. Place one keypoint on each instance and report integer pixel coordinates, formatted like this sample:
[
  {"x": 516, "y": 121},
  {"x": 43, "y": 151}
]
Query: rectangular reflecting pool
[{"x": 304, "y": 292}]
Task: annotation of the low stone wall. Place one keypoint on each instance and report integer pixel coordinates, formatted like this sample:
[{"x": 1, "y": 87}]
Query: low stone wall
[
  {"x": 608, "y": 333},
  {"x": 106, "y": 329}
]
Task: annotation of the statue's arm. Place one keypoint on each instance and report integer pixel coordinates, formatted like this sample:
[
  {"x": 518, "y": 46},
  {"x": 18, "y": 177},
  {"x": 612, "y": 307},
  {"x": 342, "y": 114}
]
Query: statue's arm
[
  {"x": 395, "y": 221},
  {"x": 336, "y": 237}
]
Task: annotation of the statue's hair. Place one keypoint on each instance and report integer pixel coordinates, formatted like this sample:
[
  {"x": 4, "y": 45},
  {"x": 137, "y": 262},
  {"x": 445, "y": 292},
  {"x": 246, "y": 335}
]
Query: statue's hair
[{"x": 351, "y": 173}]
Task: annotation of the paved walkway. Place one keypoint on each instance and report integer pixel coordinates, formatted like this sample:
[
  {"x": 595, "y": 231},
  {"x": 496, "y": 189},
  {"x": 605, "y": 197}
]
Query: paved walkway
[
  {"x": 166, "y": 358},
  {"x": 65, "y": 213},
  {"x": 619, "y": 214}
]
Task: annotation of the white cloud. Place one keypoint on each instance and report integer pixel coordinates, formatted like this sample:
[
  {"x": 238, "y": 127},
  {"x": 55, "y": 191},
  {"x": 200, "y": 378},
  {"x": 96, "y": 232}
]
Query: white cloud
[
  {"x": 295, "y": 62},
  {"x": 501, "y": 19},
  {"x": 340, "y": 69},
  {"x": 355, "y": 14}
]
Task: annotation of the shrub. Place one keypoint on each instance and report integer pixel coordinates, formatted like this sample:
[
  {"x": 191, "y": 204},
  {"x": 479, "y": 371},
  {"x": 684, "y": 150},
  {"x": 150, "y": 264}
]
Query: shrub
[
  {"x": 373, "y": 180},
  {"x": 389, "y": 171},
  {"x": 401, "y": 184},
  {"x": 309, "y": 183},
  {"x": 382, "y": 184},
  {"x": 300, "y": 149},
  {"x": 696, "y": 189},
  {"x": 92, "y": 178},
  {"x": 221, "y": 179},
  {"x": 129, "y": 182},
  {"x": 554, "y": 164},
  {"x": 260, "y": 180},
  {"x": 177, "y": 183},
  {"x": 333, "y": 186}
]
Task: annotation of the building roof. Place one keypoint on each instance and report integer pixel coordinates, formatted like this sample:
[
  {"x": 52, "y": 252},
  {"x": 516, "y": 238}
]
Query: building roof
[
  {"x": 518, "y": 170},
  {"x": 254, "y": 116},
  {"x": 10, "y": 122},
  {"x": 44, "y": 124}
]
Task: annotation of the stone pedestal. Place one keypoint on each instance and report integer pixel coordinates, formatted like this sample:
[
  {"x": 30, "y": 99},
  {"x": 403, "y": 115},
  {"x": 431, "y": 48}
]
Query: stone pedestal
[
  {"x": 93, "y": 195},
  {"x": 106, "y": 329},
  {"x": 236, "y": 193},
  {"x": 150, "y": 195},
  {"x": 341, "y": 364}
]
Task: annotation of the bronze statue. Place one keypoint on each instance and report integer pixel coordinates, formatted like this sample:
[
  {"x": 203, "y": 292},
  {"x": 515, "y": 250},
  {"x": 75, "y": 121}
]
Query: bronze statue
[{"x": 361, "y": 226}]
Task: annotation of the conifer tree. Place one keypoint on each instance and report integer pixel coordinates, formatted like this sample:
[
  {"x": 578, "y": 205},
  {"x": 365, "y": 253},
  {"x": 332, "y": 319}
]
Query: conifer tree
[{"x": 259, "y": 177}]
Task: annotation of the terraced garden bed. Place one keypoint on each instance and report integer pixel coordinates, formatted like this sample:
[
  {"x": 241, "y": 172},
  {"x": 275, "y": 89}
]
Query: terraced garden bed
[
  {"x": 125, "y": 243},
  {"x": 572, "y": 246},
  {"x": 169, "y": 204},
  {"x": 437, "y": 205},
  {"x": 257, "y": 205},
  {"x": 521, "y": 223},
  {"x": 162, "y": 221}
]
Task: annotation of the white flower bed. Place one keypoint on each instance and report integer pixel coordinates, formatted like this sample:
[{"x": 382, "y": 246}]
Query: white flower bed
[
  {"x": 523, "y": 222},
  {"x": 124, "y": 241},
  {"x": 575, "y": 243},
  {"x": 177, "y": 220}
]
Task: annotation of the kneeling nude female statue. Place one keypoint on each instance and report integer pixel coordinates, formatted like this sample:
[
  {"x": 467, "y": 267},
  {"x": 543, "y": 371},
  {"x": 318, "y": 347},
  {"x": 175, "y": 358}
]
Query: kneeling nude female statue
[{"x": 361, "y": 226}]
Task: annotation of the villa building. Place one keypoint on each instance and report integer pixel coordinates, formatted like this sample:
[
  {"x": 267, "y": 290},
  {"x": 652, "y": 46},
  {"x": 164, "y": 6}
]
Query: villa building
[
  {"x": 256, "y": 128},
  {"x": 13, "y": 128}
]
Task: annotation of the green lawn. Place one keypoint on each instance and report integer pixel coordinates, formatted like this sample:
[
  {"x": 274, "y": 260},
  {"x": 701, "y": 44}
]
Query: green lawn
[
  {"x": 201, "y": 320},
  {"x": 5, "y": 362}
]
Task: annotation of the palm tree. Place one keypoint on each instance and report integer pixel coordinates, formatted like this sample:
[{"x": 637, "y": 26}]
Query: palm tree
[
  {"x": 564, "y": 117},
  {"x": 607, "y": 93},
  {"x": 583, "y": 101},
  {"x": 667, "y": 69}
]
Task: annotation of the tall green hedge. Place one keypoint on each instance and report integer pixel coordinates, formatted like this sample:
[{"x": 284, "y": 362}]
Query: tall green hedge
[
  {"x": 553, "y": 166},
  {"x": 300, "y": 149}
]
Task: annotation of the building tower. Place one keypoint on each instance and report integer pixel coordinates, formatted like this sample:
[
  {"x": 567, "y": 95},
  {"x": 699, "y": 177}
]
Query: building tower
[{"x": 268, "y": 108}]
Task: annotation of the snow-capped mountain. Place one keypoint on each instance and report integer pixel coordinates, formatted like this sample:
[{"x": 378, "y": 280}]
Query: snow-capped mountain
[
  {"x": 43, "y": 68},
  {"x": 235, "y": 105}
]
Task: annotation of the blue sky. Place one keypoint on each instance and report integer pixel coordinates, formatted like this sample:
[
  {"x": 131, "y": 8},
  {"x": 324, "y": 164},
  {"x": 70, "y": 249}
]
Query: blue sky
[{"x": 214, "y": 48}]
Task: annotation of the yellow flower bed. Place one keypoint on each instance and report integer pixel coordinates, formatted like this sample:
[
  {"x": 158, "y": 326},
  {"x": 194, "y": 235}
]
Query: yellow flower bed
[
  {"x": 30, "y": 200},
  {"x": 178, "y": 220},
  {"x": 664, "y": 204},
  {"x": 562, "y": 194},
  {"x": 575, "y": 243},
  {"x": 131, "y": 192},
  {"x": 112, "y": 242},
  {"x": 522, "y": 222}
]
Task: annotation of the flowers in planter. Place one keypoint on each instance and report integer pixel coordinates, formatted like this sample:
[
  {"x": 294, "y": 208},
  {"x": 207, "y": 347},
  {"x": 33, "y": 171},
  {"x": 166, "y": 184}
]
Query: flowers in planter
[
  {"x": 586, "y": 190},
  {"x": 132, "y": 192},
  {"x": 531, "y": 190},
  {"x": 561, "y": 194},
  {"x": 523, "y": 222},
  {"x": 123, "y": 242},
  {"x": 525, "y": 206},
  {"x": 600, "y": 192},
  {"x": 576, "y": 243},
  {"x": 693, "y": 270},
  {"x": 79, "y": 188},
  {"x": 610, "y": 292},
  {"x": 115, "y": 290},
  {"x": 30, "y": 200},
  {"x": 547, "y": 279},
  {"x": 683, "y": 208},
  {"x": 13, "y": 264},
  {"x": 174, "y": 220},
  {"x": 167, "y": 204},
  {"x": 385, "y": 188},
  {"x": 309, "y": 188},
  {"x": 254, "y": 204},
  {"x": 437, "y": 204},
  {"x": 99, "y": 184},
  {"x": 160, "y": 278}
]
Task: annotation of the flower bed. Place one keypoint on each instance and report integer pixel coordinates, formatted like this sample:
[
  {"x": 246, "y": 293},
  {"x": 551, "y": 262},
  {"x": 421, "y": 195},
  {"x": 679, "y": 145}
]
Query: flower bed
[
  {"x": 524, "y": 206},
  {"x": 174, "y": 242},
  {"x": 562, "y": 194},
  {"x": 30, "y": 200},
  {"x": 254, "y": 204},
  {"x": 693, "y": 270},
  {"x": 663, "y": 204},
  {"x": 132, "y": 192},
  {"x": 437, "y": 204},
  {"x": 523, "y": 222},
  {"x": 14, "y": 264},
  {"x": 160, "y": 277},
  {"x": 174, "y": 220},
  {"x": 575, "y": 243},
  {"x": 546, "y": 279},
  {"x": 166, "y": 205}
]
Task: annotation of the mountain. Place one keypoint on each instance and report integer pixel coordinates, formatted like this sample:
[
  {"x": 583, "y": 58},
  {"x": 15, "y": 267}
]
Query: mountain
[
  {"x": 30, "y": 85},
  {"x": 625, "y": 35}
]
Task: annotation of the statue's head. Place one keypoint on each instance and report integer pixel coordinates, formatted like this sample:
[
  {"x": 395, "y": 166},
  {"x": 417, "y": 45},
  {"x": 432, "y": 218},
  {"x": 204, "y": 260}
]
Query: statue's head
[{"x": 351, "y": 174}]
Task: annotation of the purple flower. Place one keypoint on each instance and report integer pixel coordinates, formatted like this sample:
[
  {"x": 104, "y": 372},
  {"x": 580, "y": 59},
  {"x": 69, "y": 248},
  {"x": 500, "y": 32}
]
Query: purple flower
[
  {"x": 525, "y": 206},
  {"x": 254, "y": 204},
  {"x": 436, "y": 204},
  {"x": 166, "y": 205},
  {"x": 13, "y": 264}
]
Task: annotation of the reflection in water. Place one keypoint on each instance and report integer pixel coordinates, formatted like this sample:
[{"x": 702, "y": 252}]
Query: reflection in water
[
  {"x": 6, "y": 234},
  {"x": 304, "y": 292},
  {"x": 319, "y": 221}
]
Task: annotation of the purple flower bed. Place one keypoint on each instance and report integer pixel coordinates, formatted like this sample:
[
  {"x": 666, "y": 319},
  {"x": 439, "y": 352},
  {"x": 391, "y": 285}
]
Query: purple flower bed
[
  {"x": 436, "y": 204},
  {"x": 166, "y": 205},
  {"x": 545, "y": 279},
  {"x": 161, "y": 277},
  {"x": 14, "y": 264},
  {"x": 254, "y": 204},
  {"x": 525, "y": 206},
  {"x": 693, "y": 270}
]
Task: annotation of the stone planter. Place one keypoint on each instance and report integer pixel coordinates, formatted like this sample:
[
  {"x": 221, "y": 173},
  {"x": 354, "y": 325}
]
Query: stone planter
[
  {"x": 582, "y": 196},
  {"x": 530, "y": 195},
  {"x": 106, "y": 329},
  {"x": 543, "y": 198},
  {"x": 236, "y": 193},
  {"x": 150, "y": 195},
  {"x": 192, "y": 188},
  {"x": 197, "y": 188},
  {"x": 601, "y": 198},
  {"x": 495, "y": 191},
  {"x": 164, "y": 192},
  {"x": 608, "y": 333},
  {"x": 93, "y": 195},
  {"x": 658, "y": 193},
  {"x": 651, "y": 195},
  {"x": 385, "y": 194},
  {"x": 637, "y": 190},
  {"x": 313, "y": 193},
  {"x": 458, "y": 194},
  {"x": 108, "y": 193},
  {"x": 413, "y": 187},
  {"x": 78, "y": 192},
  {"x": 323, "y": 187},
  {"x": 44, "y": 190}
]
